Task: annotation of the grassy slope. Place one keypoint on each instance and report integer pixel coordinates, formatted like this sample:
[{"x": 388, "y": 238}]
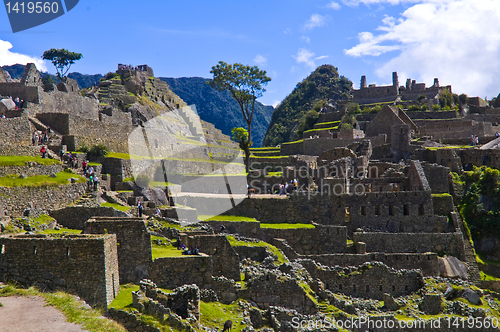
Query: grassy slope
[{"x": 40, "y": 180}]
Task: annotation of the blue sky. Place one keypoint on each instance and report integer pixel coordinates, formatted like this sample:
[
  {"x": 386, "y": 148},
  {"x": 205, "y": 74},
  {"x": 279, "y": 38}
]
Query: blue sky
[{"x": 457, "y": 41}]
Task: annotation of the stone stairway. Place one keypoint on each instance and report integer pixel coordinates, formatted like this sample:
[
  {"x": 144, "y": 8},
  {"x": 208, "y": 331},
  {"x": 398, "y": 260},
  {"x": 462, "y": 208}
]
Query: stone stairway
[
  {"x": 192, "y": 120},
  {"x": 55, "y": 138}
]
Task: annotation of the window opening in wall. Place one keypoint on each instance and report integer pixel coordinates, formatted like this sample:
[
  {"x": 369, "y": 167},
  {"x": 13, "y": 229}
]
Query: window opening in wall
[
  {"x": 391, "y": 210},
  {"x": 421, "y": 210},
  {"x": 367, "y": 288},
  {"x": 347, "y": 213},
  {"x": 34, "y": 250},
  {"x": 377, "y": 210},
  {"x": 406, "y": 210},
  {"x": 406, "y": 288},
  {"x": 340, "y": 286},
  {"x": 363, "y": 210},
  {"x": 3, "y": 249},
  {"x": 353, "y": 288},
  {"x": 393, "y": 288},
  {"x": 380, "y": 288}
]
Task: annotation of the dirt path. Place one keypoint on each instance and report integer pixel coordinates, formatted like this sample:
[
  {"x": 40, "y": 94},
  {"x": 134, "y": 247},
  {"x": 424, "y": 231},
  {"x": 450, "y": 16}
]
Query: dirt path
[{"x": 29, "y": 314}]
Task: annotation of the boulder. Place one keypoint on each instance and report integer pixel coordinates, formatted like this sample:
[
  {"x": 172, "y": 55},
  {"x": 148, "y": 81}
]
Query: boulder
[
  {"x": 452, "y": 267},
  {"x": 471, "y": 296}
]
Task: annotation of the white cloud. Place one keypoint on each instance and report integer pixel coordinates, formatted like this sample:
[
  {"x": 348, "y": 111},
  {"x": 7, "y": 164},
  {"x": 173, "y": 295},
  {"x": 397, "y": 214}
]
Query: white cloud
[
  {"x": 333, "y": 5},
  {"x": 315, "y": 21},
  {"x": 307, "y": 57},
  {"x": 305, "y": 39},
  {"x": 8, "y": 58},
  {"x": 260, "y": 60},
  {"x": 457, "y": 41},
  {"x": 287, "y": 31},
  {"x": 354, "y": 3},
  {"x": 276, "y": 103}
]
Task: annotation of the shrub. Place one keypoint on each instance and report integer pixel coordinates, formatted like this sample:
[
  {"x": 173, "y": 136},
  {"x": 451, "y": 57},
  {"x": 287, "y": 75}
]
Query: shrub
[
  {"x": 83, "y": 148},
  {"x": 99, "y": 150}
]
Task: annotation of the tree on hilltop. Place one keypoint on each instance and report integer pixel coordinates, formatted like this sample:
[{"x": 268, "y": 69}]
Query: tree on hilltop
[
  {"x": 245, "y": 84},
  {"x": 62, "y": 59}
]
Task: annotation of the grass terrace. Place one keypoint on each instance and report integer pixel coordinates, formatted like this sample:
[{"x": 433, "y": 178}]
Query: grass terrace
[
  {"x": 434, "y": 148},
  {"x": 62, "y": 178},
  {"x": 116, "y": 206},
  {"x": 136, "y": 157},
  {"x": 165, "y": 249},
  {"x": 281, "y": 258},
  {"x": 287, "y": 226},
  {"x": 207, "y": 217},
  {"x": 321, "y": 129},
  {"x": 299, "y": 141},
  {"x": 22, "y": 160}
]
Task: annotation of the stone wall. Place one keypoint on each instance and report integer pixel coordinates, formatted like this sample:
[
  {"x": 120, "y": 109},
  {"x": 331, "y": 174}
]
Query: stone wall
[
  {"x": 40, "y": 200},
  {"x": 437, "y": 176},
  {"x": 83, "y": 265},
  {"x": 133, "y": 240},
  {"x": 30, "y": 170},
  {"x": 171, "y": 272},
  {"x": 15, "y": 131},
  {"x": 74, "y": 217},
  {"x": 225, "y": 260},
  {"x": 71, "y": 103},
  {"x": 443, "y": 204},
  {"x": 19, "y": 150},
  {"x": 426, "y": 262},
  {"x": 27, "y": 93},
  {"x": 449, "y": 243},
  {"x": 369, "y": 281},
  {"x": 271, "y": 289}
]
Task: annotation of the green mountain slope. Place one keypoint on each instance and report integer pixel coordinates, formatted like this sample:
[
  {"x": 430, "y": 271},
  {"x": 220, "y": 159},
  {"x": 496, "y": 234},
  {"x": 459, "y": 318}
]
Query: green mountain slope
[
  {"x": 218, "y": 107},
  {"x": 323, "y": 84}
]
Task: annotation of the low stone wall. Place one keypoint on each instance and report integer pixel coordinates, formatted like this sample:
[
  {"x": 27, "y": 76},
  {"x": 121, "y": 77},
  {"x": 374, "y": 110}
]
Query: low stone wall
[
  {"x": 369, "y": 281},
  {"x": 40, "y": 200},
  {"x": 225, "y": 260},
  {"x": 257, "y": 254},
  {"x": 30, "y": 170},
  {"x": 450, "y": 243},
  {"x": 83, "y": 265},
  {"x": 19, "y": 150},
  {"x": 272, "y": 290},
  {"x": 74, "y": 217},
  {"x": 173, "y": 272},
  {"x": 427, "y": 262}
]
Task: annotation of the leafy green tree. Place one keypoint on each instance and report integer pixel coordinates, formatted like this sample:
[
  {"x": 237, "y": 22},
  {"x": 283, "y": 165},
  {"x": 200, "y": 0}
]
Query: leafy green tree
[
  {"x": 245, "y": 84},
  {"x": 62, "y": 59}
]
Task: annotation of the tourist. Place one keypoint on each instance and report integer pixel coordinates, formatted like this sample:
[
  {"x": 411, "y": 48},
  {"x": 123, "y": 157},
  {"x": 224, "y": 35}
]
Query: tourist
[
  {"x": 84, "y": 166},
  {"x": 222, "y": 228},
  {"x": 139, "y": 207},
  {"x": 196, "y": 251},
  {"x": 158, "y": 213},
  {"x": 477, "y": 140},
  {"x": 91, "y": 170},
  {"x": 96, "y": 181},
  {"x": 43, "y": 151},
  {"x": 90, "y": 183}
]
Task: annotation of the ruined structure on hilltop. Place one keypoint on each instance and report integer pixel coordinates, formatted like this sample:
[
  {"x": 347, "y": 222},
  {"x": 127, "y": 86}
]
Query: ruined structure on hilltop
[{"x": 410, "y": 91}]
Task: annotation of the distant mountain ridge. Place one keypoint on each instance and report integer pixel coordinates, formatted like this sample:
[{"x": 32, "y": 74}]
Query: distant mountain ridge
[
  {"x": 83, "y": 80},
  {"x": 219, "y": 107}
]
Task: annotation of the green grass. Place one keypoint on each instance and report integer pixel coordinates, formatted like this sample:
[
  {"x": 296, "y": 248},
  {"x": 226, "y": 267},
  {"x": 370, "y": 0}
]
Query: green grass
[
  {"x": 488, "y": 277},
  {"x": 40, "y": 180},
  {"x": 287, "y": 226},
  {"x": 136, "y": 157},
  {"x": 273, "y": 249},
  {"x": 265, "y": 148},
  {"x": 21, "y": 160},
  {"x": 124, "y": 298},
  {"x": 321, "y": 129},
  {"x": 271, "y": 157},
  {"x": 91, "y": 319},
  {"x": 434, "y": 148},
  {"x": 331, "y": 122},
  {"x": 44, "y": 219},
  {"x": 116, "y": 206},
  {"x": 276, "y": 174},
  {"x": 299, "y": 141},
  {"x": 61, "y": 231},
  {"x": 94, "y": 164},
  {"x": 441, "y": 195},
  {"x": 207, "y": 217},
  {"x": 160, "y": 251},
  {"x": 214, "y": 314}
]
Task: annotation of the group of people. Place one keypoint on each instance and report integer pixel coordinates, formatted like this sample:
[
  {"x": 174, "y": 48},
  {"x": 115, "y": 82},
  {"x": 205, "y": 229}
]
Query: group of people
[
  {"x": 92, "y": 179},
  {"x": 130, "y": 67},
  {"x": 69, "y": 158},
  {"x": 474, "y": 140},
  {"x": 286, "y": 188},
  {"x": 185, "y": 251},
  {"x": 40, "y": 138}
]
